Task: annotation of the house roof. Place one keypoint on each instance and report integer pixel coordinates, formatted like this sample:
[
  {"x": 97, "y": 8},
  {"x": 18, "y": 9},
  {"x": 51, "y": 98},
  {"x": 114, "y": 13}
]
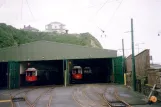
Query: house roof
[
  {"x": 56, "y": 23},
  {"x": 45, "y": 50},
  {"x": 155, "y": 66},
  {"x": 29, "y": 28}
]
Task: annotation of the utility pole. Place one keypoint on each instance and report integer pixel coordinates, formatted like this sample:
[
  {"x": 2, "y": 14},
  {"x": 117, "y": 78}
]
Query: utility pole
[
  {"x": 123, "y": 48},
  {"x": 123, "y": 63},
  {"x": 133, "y": 57}
]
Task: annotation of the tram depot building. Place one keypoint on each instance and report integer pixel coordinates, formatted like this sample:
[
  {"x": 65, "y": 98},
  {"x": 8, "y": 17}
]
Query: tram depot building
[{"x": 54, "y": 63}]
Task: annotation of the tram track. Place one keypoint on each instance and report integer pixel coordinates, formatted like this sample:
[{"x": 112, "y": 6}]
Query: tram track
[
  {"x": 99, "y": 97},
  {"x": 33, "y": 104},
  {"x": 50, "y": 100},
  {"x": 117, "y": 96},
  {"x": 13, "y": 96},
  {"x": 86, "y": 96},
  {"x": 27, "y": 102},
  {"x": 80, "y": 99},
  {"x": 116, "y": 101},
  {"x": 84, "y": 100},
  {"x": 99, "y": 100}
]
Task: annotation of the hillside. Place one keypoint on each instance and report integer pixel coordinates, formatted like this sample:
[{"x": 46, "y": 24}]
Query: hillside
[{"x": 10, "y": 36}]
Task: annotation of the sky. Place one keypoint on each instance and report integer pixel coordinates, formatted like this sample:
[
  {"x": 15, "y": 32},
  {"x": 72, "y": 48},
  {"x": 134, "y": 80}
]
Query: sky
[{"x": 87, "y": 16}]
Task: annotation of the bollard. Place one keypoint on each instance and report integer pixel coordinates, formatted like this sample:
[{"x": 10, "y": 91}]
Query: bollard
[{"x": 124, "y": 78}]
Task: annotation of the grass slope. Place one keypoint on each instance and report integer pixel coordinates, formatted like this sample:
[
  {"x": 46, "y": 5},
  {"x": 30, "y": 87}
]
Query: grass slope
[{"x": 10, "y": 36}]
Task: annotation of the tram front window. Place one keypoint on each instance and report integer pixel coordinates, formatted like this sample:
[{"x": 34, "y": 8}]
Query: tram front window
[
  {"x": 29, "y": 73},
  {"x": 33, "y": 73},
  {"x": 79, "y": 71},
  {"x": 74, "y": 72}
]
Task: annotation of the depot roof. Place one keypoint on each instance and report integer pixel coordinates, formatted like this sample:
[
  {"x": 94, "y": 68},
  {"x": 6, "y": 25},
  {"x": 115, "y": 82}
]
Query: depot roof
[{"x": 46, "y": 50}]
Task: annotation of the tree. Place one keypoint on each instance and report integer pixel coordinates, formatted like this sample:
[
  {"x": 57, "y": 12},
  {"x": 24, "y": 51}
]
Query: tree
[{"x": 10, "y": 36}]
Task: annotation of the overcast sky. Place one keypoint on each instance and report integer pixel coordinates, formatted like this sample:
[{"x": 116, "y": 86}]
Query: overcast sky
[{"x": 86, "y": 16}]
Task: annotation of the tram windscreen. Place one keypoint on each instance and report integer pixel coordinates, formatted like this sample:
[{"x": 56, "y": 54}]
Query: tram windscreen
[
  {"x": 30, "y": 73},
  {"x": 77, "y": 71}
]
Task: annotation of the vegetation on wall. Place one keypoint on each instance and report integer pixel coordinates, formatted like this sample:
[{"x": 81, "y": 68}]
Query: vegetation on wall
[{"x": 10, "y": 36}]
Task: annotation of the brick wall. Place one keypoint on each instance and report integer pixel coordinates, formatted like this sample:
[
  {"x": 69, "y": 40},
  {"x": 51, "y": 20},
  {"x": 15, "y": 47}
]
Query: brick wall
[
  {"x": 129, "y": 64},
  {"x": 154, "y": 77},
  {"x": 142, "y": 63}
]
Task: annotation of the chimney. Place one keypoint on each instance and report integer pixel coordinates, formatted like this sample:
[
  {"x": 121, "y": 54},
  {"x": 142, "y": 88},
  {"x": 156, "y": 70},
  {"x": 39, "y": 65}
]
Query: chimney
[{"x": 66, "y": 31}]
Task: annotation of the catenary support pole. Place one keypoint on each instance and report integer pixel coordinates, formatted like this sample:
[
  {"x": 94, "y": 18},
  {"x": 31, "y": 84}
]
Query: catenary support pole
[
  {"x": 123, "y": 52},
  {"x": 133, "y": 57},
  {"x": 123, "y": 62},
  {"x": 123, "y": 48}
]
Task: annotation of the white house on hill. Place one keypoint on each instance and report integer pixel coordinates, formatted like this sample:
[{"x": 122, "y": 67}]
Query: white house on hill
[{"x": 56, "y": 27}]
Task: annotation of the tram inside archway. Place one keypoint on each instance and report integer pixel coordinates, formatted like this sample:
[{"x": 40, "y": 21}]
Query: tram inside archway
[{"x": 92, "y": 70}]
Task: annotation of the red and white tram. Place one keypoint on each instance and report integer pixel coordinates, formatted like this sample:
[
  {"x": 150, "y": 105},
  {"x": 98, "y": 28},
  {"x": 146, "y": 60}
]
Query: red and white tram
[{"x": 31, "y": 75}]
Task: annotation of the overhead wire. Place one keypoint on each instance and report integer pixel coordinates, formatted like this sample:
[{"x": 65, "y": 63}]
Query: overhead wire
[
  {"x": 101, "y": 31},
  {"x": 102, "y": 6},
  {"x": 94, "y": 5},
  {"x": 21, "y": 8},
  {"x": 110, "y": 21},
  {"x": 107, "y": 1},
  {"x": 30, "y": 9},
  {"x": 98, "y": 12}
]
